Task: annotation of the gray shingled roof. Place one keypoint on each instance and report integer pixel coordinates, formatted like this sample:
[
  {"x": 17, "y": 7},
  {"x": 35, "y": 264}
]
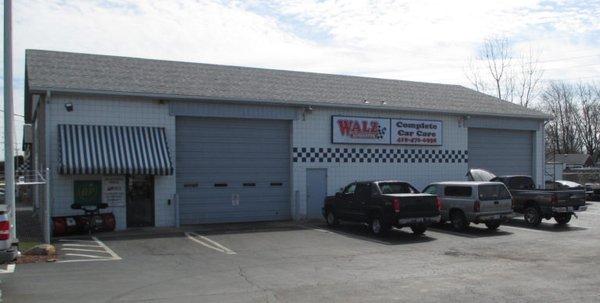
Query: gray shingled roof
[
  {"x": 571, "y": 159},
  {"x": 62, "y": 71}
]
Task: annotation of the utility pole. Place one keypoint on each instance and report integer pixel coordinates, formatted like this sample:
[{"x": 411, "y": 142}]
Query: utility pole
[{"x": 9, "y": 159}]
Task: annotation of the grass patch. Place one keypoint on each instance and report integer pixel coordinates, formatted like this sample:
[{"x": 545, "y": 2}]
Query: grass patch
[{"x": 26, "y": 245}]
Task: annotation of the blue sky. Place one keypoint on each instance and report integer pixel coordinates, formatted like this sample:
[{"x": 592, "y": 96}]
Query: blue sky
[{"x": 412, "y": 40}]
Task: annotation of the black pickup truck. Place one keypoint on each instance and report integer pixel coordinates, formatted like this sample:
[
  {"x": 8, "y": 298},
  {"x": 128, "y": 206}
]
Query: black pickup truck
[
  {"x": 537, "y": 204},
  {"x": 383, "y": 204}
]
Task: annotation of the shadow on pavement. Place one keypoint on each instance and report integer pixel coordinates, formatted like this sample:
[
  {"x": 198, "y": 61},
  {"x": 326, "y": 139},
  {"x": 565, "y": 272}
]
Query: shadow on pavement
[
  {"x": 473, "y": 231},
  {"x": 361, "y": 232},
  {"x": 545, "y": 226}
]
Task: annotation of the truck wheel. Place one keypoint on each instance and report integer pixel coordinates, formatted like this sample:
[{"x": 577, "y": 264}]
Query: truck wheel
[
  {"x": 377, "y": 226},
  {"x": 419, "y": 229},
  {"x": 332, "y": 219},
  {"x": 562, "y": 219},
  {"x": 458, "y": 220},
  {"x": 533, "y": 216},
  {"x": 492, "y": 225}
]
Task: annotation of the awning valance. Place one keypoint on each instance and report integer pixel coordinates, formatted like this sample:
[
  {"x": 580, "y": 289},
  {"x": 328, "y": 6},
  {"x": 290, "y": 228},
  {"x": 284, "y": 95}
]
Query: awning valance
[{"x": 113, "y": 150}]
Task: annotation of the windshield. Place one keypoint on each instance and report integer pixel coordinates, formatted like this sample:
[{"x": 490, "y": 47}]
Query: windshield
[
  {"x": 493, "y": 192},
  {"x": 397, "y": 188}
]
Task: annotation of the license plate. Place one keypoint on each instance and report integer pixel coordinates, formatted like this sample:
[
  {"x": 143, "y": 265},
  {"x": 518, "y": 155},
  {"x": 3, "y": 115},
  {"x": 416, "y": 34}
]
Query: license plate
[
  {"x": 496, "y": 217},
  {"x": 570, "y": 208}
]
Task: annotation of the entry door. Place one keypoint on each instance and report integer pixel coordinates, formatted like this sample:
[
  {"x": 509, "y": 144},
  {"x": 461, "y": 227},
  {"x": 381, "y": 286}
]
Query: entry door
[
  {"x": 316, "y": 191},
  {"x": 140, "y": 201}
]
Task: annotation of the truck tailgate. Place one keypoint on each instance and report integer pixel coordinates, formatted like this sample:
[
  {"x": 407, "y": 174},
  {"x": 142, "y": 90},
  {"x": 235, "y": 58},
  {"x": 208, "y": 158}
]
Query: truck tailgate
[
  {"x": 570, "y": 198},
  {"x": 416, "y": 205}
]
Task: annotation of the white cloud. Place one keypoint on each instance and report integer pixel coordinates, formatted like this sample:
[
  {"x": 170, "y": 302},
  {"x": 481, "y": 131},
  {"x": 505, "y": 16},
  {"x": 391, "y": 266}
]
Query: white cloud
[{"x": 413, "y": 40}]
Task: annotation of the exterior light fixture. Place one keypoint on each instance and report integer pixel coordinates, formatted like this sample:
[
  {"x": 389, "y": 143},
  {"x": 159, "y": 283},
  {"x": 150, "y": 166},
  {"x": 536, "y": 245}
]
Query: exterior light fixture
[{"x": 69, "y": 106}]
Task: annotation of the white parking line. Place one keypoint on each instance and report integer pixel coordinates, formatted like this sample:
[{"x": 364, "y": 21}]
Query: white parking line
[
  {"x": 445, "y": 231},
  {"x": 591, "y": 213},
  {"x": 206, "y": 242},
  {"x": 104, "y": 253},
  {"x": 522, "y": 228},
  {"x": 10, "y": 268}
]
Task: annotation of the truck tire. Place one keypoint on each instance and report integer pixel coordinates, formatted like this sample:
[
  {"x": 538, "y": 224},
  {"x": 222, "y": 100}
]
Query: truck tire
[
  {"x": 331, "y": 218},
  {"x": 458, "y": 220},
  {"x": 377, "y": 227},
  {"x": 562, "y": 219},
  {"x": 419, "y": 229},
  {"x": 492, "y": 225},
  {"x": 533, "y": 216}
]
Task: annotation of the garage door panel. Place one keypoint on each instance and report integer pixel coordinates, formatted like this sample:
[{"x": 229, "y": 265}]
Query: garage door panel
[
  {"x": 232, "y": 152},
  {"x": 503, "y": 152}
]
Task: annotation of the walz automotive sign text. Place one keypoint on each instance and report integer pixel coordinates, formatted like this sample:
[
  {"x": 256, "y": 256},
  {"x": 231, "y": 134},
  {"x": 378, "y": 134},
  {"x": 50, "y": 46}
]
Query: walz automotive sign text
[
  {"x": 360, "y": 130},
  {"x": 368, "y": 130},
  {"x": 416, "y": 132}
]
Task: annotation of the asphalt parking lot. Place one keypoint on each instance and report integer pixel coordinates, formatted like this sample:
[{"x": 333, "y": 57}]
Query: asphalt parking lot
[{"x": 289, "y": 262}]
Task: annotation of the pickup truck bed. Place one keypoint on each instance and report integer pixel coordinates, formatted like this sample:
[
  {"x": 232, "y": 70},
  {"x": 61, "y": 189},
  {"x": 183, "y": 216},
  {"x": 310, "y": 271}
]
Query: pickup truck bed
[
  {"x": 382, "y": 204},
  {"x": 537, "y": 204}
]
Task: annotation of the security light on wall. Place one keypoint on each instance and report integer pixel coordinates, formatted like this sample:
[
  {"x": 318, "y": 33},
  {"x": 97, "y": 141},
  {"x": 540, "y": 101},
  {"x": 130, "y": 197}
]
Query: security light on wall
[{"x": 69, "y": 107}]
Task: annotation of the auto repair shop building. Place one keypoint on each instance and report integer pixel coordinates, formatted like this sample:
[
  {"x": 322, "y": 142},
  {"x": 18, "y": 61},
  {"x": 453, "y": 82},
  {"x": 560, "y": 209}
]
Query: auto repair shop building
[{"x": 170, "y": 142}]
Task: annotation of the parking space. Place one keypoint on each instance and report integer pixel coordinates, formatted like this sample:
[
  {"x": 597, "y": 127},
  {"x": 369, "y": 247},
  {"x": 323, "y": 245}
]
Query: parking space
[
  {"x": 292, "y": 262},
  {"x": 86, "y": 249}
]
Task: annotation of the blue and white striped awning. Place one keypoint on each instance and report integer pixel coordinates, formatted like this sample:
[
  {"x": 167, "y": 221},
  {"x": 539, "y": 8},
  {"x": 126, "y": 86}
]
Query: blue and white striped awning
[{"x": 113, "y": 150}]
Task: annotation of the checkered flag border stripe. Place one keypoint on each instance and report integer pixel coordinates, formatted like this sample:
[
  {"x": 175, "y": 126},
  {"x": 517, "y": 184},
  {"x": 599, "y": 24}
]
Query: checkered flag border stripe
[{"x": 377, "y": 155}]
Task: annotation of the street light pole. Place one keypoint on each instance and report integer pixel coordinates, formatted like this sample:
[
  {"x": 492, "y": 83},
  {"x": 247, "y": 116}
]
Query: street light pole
[{"x": 9, "y": 160}]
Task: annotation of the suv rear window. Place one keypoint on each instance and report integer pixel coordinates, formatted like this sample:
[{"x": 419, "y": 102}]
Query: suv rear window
[
  {"x": 493, "y": 192},
  {"x": 458, "y": 191},
  {"x": 397, "y": 188}
]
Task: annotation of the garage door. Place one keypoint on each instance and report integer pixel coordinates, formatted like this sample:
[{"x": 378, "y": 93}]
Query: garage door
[
  {"x": 232, "y": 170},
  {"x": 503, "y": 152}
]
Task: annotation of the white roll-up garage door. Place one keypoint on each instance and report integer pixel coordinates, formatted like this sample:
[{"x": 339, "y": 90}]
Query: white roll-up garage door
[
  {"x": 232, "y": 170},
  {"x": 503, "y": 152}
]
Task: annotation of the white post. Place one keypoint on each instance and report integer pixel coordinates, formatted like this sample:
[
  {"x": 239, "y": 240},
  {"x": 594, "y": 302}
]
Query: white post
[
  {"x": 46, "y": 212},
  {"x": 9, "y": 128}
]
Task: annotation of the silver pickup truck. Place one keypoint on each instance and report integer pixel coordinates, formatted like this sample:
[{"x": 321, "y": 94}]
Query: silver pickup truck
[{"x": 478, "y": 202}]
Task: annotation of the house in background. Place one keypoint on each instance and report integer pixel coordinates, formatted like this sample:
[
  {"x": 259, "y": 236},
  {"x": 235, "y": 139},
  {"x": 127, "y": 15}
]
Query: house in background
[{"x": 571, "y": 160}]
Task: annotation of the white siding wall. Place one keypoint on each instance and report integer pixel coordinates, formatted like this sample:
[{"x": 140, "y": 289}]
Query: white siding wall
[
  {"x": 109, "y": 111},
  {"x": 315, "y": 131}
]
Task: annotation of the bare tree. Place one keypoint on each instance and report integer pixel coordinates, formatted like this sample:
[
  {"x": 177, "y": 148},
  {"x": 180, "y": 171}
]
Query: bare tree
[
  {"x": 529, "y": 78},
  {"x": 588, "y": 126},
  {"x": 474, "y": 76},
  {"x": 497, "y": 54},
  {"x": 558, "y": 100},
  {"x": 496, "y": 72}
]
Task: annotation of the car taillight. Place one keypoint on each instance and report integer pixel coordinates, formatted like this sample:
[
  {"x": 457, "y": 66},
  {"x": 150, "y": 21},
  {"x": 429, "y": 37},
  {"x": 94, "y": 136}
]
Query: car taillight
[
  {"x": 396, "y": 205},
  {"x": 438, "y": 203},
  {"x": 554, "y": 199},
  {"x": 476, "y": 206},
  {"x": 4, "y": 230}
]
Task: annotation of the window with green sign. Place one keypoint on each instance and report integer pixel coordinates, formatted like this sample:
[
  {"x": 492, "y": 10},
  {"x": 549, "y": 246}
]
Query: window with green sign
[{"x": 88, "y": 192}]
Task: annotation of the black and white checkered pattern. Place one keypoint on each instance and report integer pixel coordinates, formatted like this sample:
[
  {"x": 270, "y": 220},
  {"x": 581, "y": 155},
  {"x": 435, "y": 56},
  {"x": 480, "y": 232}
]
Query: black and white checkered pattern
[{"x": 377, "y": 155}]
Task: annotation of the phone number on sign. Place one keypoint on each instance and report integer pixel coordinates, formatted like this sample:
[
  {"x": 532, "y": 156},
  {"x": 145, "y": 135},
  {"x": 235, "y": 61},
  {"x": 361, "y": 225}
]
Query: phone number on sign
[{"x": 417, "y": 140}]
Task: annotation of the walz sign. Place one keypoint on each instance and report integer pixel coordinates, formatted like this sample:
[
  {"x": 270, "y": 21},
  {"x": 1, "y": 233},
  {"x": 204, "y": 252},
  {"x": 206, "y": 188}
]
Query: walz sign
[
  {"x": 416, "y": 132},
  {"x": 360, "y": 130}
]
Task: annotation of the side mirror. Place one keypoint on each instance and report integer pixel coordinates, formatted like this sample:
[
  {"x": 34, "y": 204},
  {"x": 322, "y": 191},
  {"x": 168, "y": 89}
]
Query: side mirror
[{"x": 339, "y": 195}]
